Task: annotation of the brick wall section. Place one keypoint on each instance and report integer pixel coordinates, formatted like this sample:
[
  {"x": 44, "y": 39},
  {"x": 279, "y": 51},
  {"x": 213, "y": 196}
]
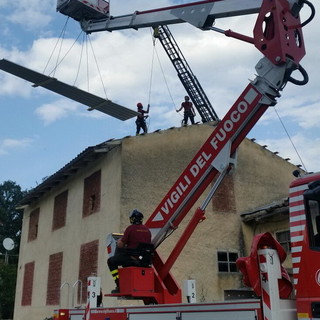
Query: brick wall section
[
  {"x": 33, "y": 224},
  {"x": 224, "y": 199},
  {"x": 60, "y": 210},
  {"x": 88, "y": 264},
  {"x": 27, "y": 284},
  {"x": 54, "y": 278},
  {"x": 92, "y": 194}
]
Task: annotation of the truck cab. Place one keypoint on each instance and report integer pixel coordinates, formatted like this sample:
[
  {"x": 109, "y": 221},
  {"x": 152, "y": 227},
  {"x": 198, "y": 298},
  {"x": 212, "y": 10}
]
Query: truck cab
[{"x": 305, "y": 243}]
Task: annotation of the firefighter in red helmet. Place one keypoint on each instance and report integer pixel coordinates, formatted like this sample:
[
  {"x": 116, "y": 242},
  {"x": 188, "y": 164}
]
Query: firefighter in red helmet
[
  {"x": 189, "y": 112},
  {"x": 141, "y": 118},
  {"x": 134, "y": 235}
]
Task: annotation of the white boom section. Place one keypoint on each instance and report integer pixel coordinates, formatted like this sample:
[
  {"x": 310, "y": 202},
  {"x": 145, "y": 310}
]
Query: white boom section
[{"x": 200, "y": 14}]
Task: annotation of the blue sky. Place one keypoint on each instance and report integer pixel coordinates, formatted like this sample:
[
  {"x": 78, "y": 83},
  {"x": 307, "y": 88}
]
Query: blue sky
[{"x": 41, "y": 131}]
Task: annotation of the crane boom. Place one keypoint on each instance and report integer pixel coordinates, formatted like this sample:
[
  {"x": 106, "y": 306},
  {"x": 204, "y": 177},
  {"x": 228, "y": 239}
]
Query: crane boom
[
  {"x": 200, "y": 14},
  {"x": 278, "y": 35}
]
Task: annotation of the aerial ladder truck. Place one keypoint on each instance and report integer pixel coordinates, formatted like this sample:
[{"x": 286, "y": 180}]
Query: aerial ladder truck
[{"x": 277, "y": 34}]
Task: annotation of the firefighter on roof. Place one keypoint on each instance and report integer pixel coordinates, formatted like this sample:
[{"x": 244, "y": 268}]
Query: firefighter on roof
[
  {"x": 141, "y": 118},
  {"x": 189, "y": 112}
]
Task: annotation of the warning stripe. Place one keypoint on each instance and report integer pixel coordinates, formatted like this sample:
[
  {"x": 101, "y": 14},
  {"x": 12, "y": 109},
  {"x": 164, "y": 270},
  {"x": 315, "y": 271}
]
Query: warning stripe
[
  {"x": 265, "y": 289},
  {"x": 297, "y": 227}
]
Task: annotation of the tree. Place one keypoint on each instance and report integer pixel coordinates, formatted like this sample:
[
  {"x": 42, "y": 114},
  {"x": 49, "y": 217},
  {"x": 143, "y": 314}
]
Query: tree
[
  {"x": 10, "y": 217},
  {"x": 10, "y": 227},
  {"x": 8, "y": 278}
]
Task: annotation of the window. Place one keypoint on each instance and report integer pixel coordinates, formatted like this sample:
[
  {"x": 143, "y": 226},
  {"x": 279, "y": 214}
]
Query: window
[
  {"x": 60, "y": 210},
  {"x": 313, "y": 214},
  {"x": 33, "y": 224},
  {"x": 27, "y": 284},
  {"x": 91, "y": 194},
  {"x": 54, "y": 278},
  {"x": 283, "y": 237},
  {"x": 88, "y": 264},
  {"x": 227, "y": 261}
]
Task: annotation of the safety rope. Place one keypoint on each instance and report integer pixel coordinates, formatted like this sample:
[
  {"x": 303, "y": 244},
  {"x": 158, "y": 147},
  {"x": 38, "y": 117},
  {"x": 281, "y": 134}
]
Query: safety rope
[{"x": 293, "y": 145}]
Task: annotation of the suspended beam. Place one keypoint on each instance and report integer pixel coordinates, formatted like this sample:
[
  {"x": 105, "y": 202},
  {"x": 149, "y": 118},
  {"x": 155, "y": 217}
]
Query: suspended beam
[{"x": 92, "y": 101}]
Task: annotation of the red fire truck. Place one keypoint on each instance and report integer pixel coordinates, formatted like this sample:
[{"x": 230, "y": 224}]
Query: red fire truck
[{"x": 277, "y": 34}]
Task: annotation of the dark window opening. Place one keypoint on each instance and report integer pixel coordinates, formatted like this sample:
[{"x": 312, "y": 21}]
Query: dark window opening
[
  {"x": 92, "y": 194},
  {"x": 33, "y": 224},
  {"x": 283, "y": 237},
  {"x": 227, "y": 261},
  {"x": 312, "y": 204},
  {"x": 60, "y": 210}
]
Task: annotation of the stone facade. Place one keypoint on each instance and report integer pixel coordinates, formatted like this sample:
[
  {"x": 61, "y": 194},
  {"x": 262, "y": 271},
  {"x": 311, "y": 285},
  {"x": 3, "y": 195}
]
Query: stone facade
[{"x": 136, "y": 172}]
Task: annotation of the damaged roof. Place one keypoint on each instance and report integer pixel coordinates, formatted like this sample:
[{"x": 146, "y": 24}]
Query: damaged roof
[{"x": 280, "y": 207}]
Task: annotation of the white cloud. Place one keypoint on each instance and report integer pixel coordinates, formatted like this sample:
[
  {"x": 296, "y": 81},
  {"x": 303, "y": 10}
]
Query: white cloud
[
  {"x": 8, "y": 145},
  {"x": 32, "y": 14},
  {"x": 306, "y": 150},
  {"x": 52, "y": 112}
]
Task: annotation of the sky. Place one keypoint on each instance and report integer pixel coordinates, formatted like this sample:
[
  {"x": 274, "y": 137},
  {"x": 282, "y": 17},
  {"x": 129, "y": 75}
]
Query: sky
[{"x": 40, "y": 131}]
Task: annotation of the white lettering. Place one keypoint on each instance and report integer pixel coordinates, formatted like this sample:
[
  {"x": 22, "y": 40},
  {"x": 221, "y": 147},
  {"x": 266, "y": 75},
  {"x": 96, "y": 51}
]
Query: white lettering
[
  {"x": 205, "y": 156},
  {"x": 165, "y": 208},
  {"x": 228, "y": 125},
  {"x": 194, "y": 170},
  {"x": 179, "y": 190},
  {"x": 235, "y": 116},
  {"x": 174, "y": 197}
]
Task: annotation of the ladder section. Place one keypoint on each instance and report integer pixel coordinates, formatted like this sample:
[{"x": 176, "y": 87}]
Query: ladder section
[{"x": 186, "y": 76}]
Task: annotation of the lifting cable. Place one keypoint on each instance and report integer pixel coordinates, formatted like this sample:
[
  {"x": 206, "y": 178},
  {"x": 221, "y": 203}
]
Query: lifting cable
[
  {"x": 58, "y": 61},
  {"x": 162, "y": 71},
  {"x": 151, "y": 71},
  {"x": 97, "y": 65},
  {"x": 80, "y": 59},
  {"x": 294, "y": 147},
  {"x": 61, "y": 36}
]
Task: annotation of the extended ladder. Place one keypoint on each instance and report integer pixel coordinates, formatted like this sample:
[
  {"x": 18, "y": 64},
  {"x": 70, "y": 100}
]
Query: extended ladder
[{"x": 186, "y": 76}]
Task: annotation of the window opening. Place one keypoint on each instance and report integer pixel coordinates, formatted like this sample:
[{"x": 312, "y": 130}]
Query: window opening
[
  {"x": 283, "y": 237},
  {"x": 227, "y": 261},
  {"x": 312, "y": 204}
]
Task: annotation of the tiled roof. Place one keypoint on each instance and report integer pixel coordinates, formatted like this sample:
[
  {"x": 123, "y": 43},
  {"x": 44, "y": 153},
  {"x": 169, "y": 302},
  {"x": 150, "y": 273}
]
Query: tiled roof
[{"x": 264, "y": 212}]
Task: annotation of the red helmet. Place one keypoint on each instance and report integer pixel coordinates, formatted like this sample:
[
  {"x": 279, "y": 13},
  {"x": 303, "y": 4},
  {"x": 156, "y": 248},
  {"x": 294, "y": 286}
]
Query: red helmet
[{"x": 139, "y": 105}]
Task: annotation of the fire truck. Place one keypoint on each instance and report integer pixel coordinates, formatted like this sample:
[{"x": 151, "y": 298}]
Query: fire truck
[{"x": 277, "y": 34}]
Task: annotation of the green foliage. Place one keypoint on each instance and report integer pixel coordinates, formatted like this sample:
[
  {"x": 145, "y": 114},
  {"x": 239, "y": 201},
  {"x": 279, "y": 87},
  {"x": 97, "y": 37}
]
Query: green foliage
[
  {"x": 10, "y": 217},
  {"x": 8, "y": 276},
  {"x": 10, "y": 227}
]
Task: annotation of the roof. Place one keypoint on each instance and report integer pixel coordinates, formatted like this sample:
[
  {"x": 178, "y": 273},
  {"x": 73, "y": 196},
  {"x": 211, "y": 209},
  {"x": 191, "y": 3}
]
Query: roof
[
  {"x": 90, "y": 154},
  {"x": 267, "y": 211}
]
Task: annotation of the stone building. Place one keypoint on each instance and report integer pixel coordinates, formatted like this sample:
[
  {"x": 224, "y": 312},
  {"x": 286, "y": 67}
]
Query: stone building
[{"x": 67, "y": 217}]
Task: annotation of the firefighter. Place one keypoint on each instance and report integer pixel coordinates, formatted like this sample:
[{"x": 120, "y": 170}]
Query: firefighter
[
  {"x": 141, "y": 118},
  {"x": 134, "y": 234},
  {"x": 188, "y": 111}
]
